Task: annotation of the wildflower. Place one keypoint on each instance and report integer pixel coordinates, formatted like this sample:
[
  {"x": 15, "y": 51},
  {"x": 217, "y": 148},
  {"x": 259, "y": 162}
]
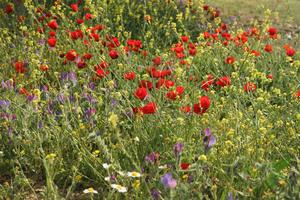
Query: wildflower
[
  {"x": 113, "y": 120},
  {"x": 168, "y": 181},
  {"x": 90, "y": 191},
  {"x": 106, "y": 166},
  {"x": 134, "y": 174},
  {"x": 152, "y": 157},
  {"x": 289, "y": 51},
  {"x": 53, "y": 24},
  {"x": 150, "y": 108},
  {"x": 249, "y": 87},
  {"x": 141, "y": 93},
  {"x": 185, "y": 39},
  {"x": 20, "y": 67},
  {"x": 224, "y": 81},
  {"x": 120, "y": 188},
  {"x": 129, "y": 76},
  {"x": 74, "y": 7},
  {"x": 184, "y": 166},
  {"x": 268, "y": 48},
  {"x": 71, "y": 55},
  {"x": 52, "y": 42},
  {"x": 155, "y": 193},
  {"x": 9, "y": 8},
  {"x": 202, "y": 106},
  {"x": 113, "y": 54},
  {"x": 230, "y": 60},
  {"x": 209, "y": 139},
  {"x": 4, "y": 104},
  {"x": 178, "y": 148},
  {"x": 202, "y": 157},
  {"x": 136, "y": 184}
]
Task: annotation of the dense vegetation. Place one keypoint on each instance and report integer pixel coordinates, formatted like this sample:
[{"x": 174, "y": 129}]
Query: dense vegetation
[{"x": 145, "y": 99}]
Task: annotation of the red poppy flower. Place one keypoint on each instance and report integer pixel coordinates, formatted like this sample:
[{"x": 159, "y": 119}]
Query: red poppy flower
[
  {"x": 52, "y": 42},
  {"x": 184, "y": 39},
  {"x": 179, "y": 90},
  {"x": 171, "y": 95},
  {"x": 157, "y": 60},
  {"x": 268, "y": 48},
  {"x": 290, "y": 52},
  {"x": 150, "y": 108},
  {"x": 255, "y": 53},
  {"x": 101, "y": 73},
  {"x": 88, "y": 16},
  {"x": 71, "y": 55},
  {"x": 249, "y": 87},
  {"x": 9, "y": 8},
  {"x": 230, "y": 60},
  {"x": 20, "y": 67},
  {"x": 205, "y": 85},
  {"x": 79, "y": 21},
  {"x": 53, "y": 24},
  {"x": 184, "y": 166},
  {"x": 204, "y": 102},
  {"x": 74, "y": 7},
  {"x": 141, "y": 93},
  {"x": 272, "y": 31},
  {"x": 270, "y": 76},
  {"x": 298, "y": 94},
  {"x": 129, "y": 76},
  {"x": 203, "y": 106},
  {"x": 169, "y": 83},
  {"x": 113, "y": 54},
  {"x": 224, "y": 81},
  {"x": 192, "y": 52}
]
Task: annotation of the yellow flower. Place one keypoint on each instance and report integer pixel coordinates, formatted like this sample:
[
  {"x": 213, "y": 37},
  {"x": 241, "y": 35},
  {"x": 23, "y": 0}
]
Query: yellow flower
[
  {"x": 113, "y": 120},
  {"x": 136, "y": 184},
  {"x": 202, "y": 157}
]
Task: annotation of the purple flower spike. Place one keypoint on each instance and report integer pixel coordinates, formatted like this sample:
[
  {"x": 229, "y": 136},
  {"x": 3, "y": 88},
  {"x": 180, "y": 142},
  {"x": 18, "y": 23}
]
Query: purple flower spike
[
  {"x": 168, "y": 181},
  {"x": 209, "y": 139},
  {"x": 152, "y": 157},
  {"x": 178, "y": 148},
  {"x": 155, "y": 193}
]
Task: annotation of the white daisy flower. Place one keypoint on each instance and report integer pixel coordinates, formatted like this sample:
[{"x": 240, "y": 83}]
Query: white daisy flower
[
  {"x": 90, "y": 190},
  {"x": 120, "y": 188},
  {"x": 134, "y": 174},
  {"x": 106, "y": 166},
  {"x": 107, "y": 178}
]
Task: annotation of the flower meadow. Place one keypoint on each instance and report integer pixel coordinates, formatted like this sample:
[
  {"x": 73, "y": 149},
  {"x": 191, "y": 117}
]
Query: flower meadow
[{"x": 145, "y": 99}]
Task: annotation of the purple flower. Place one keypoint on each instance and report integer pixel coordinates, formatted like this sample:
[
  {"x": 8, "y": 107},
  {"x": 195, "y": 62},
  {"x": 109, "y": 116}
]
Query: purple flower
[
  {"x": 4, "y": 104},
  {"x": 91, "y": 85},
  {"x": 31, "y": 97},
  {"x": 152, "y": 157},
  {"x": 155, "y": 193},
  {"x": 69, "y": 76},
  {"x": 89, "y": 112},
  {"x": 168, "y": 181},
  {"x": 178, "y": 148},
  {"x": 7, "y": 84},
  {"x": 209, "y": 139}
]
